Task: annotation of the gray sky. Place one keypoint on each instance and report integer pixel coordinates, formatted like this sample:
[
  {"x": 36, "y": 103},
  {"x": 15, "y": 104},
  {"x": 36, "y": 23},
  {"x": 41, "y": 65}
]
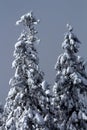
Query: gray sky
[{"x": 54, "y": 14}]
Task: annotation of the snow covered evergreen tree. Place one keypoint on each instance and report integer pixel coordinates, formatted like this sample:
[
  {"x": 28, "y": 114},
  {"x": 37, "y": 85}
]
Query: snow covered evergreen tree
[
  {"x": 70, "y": 88},
  {"x": 26, "y": 106}
]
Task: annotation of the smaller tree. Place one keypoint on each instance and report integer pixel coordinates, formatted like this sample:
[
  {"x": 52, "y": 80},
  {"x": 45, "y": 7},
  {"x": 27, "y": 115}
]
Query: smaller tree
[{"x": 70, "y": 89}]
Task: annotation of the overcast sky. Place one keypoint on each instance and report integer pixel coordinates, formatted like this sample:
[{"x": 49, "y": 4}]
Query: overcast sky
[{"x": 54, "y": 15}]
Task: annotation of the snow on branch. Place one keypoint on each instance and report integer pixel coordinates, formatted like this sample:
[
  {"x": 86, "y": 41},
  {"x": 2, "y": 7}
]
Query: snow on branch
[{"x": 27, "y": 19}]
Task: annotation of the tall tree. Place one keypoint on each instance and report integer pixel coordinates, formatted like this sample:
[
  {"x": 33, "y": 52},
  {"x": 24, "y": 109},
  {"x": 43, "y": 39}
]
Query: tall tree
[
  {"x": 25, "y": 106},
  {"x": 70, "y": 88}
]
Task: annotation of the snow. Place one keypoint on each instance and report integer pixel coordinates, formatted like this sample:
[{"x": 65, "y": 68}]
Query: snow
[
  {"x": 18, "y": 112},
  {"x": 64, "y": 72},
  {"x": 27, "y": 19},
  {"x": 10, "y": 124},
  {"x": 12, "y": 92},
  {"x": 18, "y": 44},
  {"x": 72, "y": 42},
  {"x": 34, "y": 104},
  {"x": 70, "y": 28},
  {"x": 82, "y": 115},
  {"x": 44, "y": 85},
  {"x": 62, "y": 59},
  {"x": 13, "y": 64},
  {"x": 48, "y": 92},
  {"x": 75, "y": 77},
  {"x": 30, "y": 82},
  {"x": 30, "y": 114},
  {"x": 70, "y": 74},
  {"x": 69, "y": 70},
  {"x": 65, "y": 44},
  {"x": 39, "y": 119},
  {"x": 18, "y": 22}
]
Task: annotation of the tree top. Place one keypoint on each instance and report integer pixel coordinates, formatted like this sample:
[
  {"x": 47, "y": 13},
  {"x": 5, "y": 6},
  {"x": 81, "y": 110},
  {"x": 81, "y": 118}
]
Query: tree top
[
  {"x": 70, "y": 28},
  {"x": 28, "y": 20}
]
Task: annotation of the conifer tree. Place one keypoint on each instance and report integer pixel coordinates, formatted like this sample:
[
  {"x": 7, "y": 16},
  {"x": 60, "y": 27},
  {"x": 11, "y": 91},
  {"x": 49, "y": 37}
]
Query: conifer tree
[
  {"x": 25, "y": 107},
  {"x": 70, "y": 88}
]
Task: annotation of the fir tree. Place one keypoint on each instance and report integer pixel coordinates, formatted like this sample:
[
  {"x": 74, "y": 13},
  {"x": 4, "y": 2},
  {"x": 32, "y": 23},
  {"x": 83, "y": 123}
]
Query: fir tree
[
  {"x": 25, "y": 107},
  {"x": 70, "y": 89}
]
